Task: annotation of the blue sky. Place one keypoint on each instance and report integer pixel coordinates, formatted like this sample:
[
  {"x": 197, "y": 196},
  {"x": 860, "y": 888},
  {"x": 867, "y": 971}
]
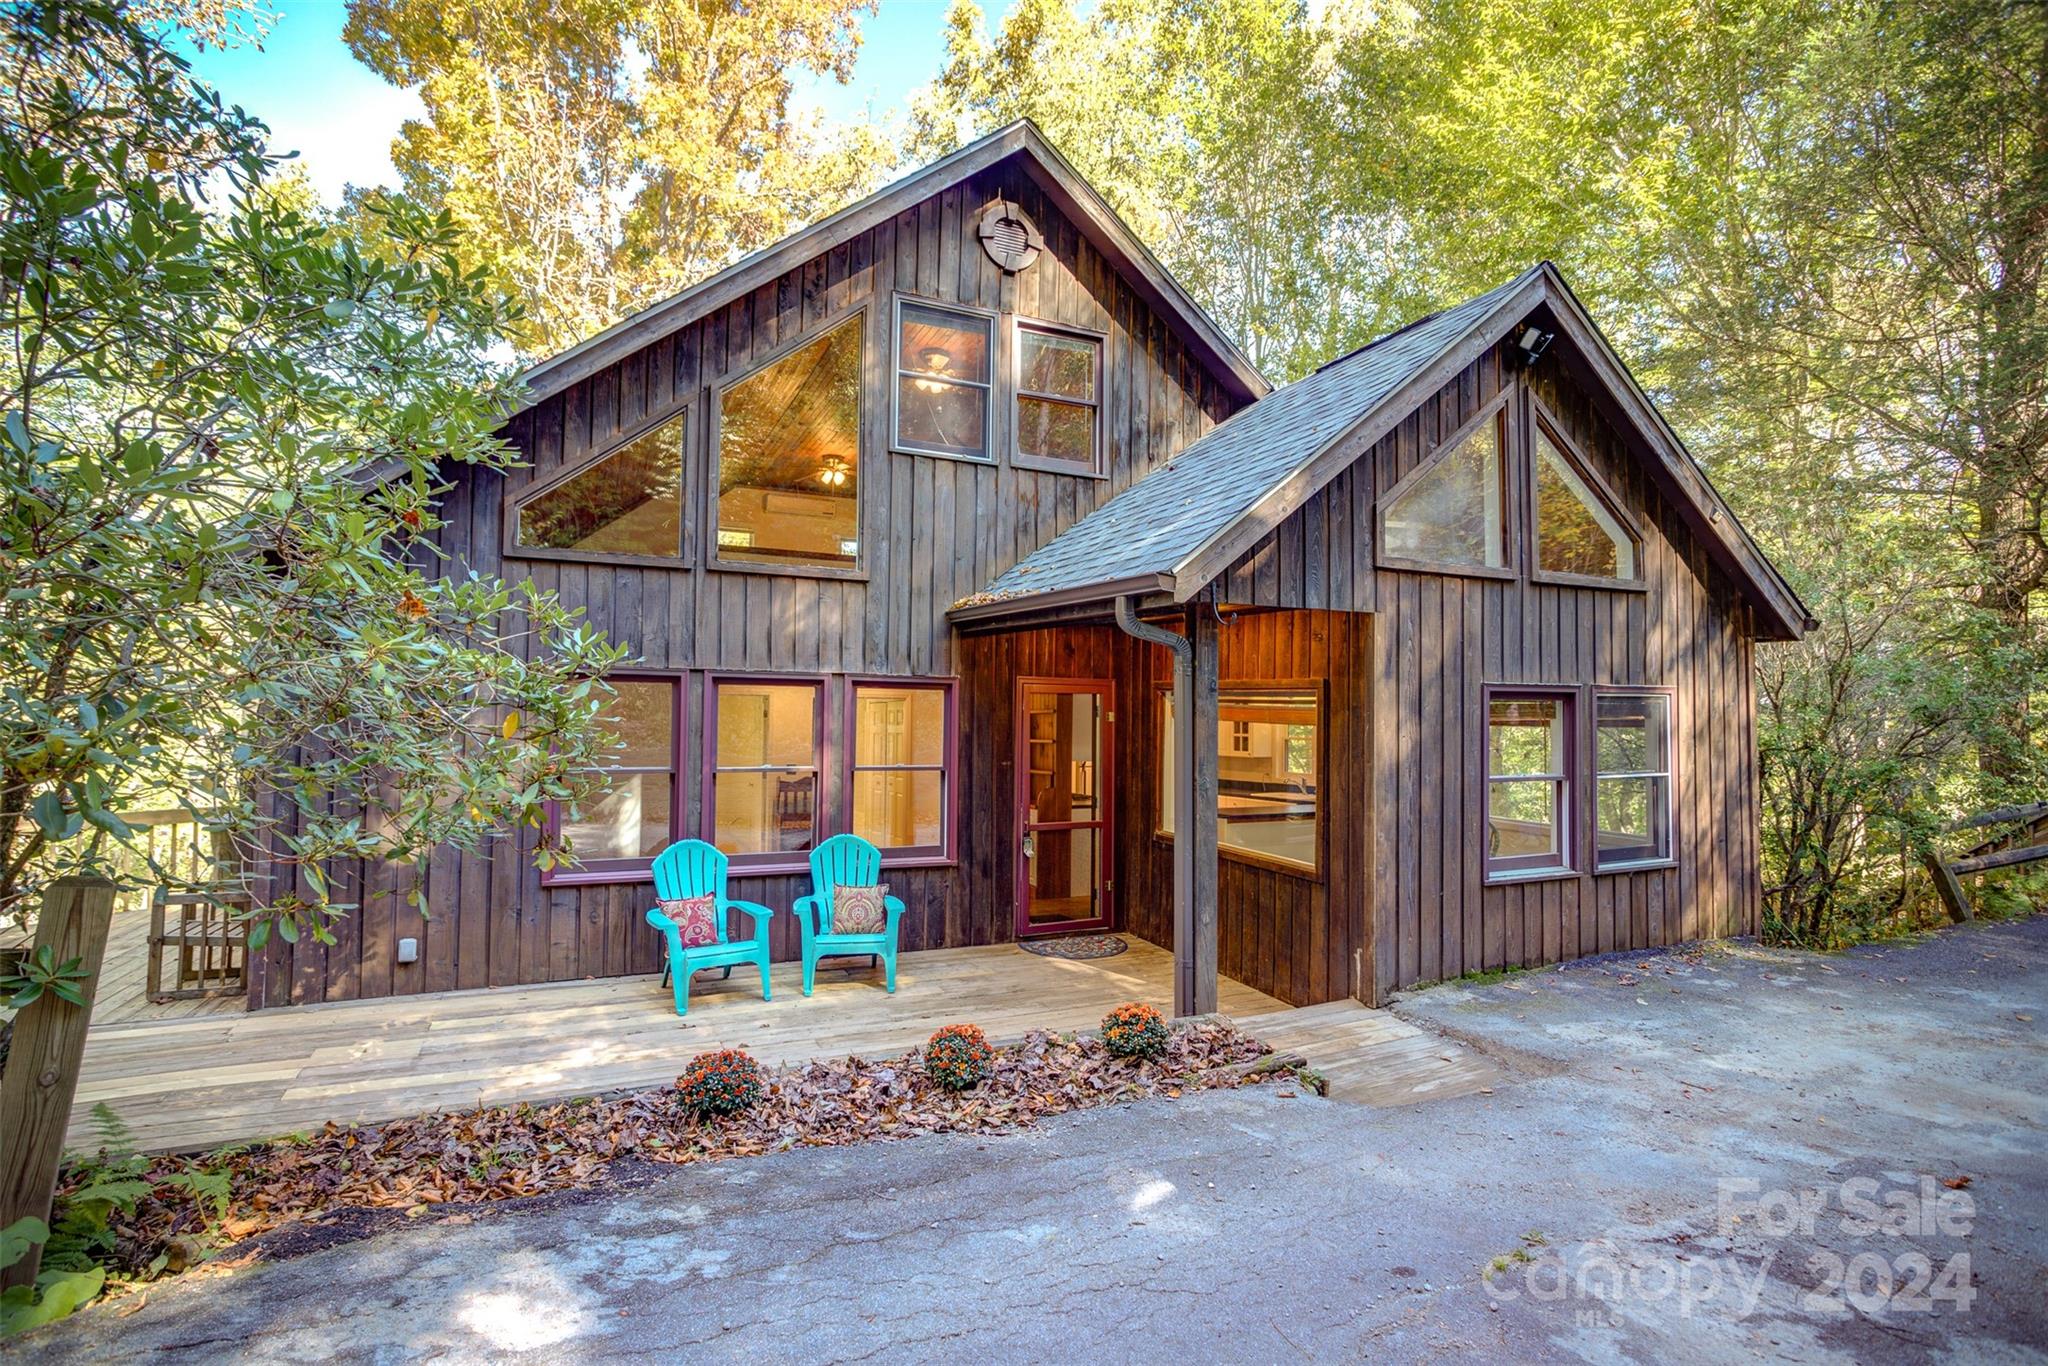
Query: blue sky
[{"x": 340, "y": 118}]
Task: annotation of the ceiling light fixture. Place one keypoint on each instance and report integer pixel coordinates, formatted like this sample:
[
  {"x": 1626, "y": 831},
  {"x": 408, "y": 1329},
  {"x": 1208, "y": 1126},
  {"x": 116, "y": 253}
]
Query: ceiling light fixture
[
  {"x": 835, "y": 473},
  {"x": 936, "y": 362}
]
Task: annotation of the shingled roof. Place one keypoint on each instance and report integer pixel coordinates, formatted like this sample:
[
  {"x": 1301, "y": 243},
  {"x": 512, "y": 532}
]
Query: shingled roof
[
  {"x": 1157, "y": 522},
  {"x": 1178, "y": 528}
]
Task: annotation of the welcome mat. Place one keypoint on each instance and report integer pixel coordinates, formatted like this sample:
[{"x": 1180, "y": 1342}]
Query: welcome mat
[{"x": 1075, "y": 946}]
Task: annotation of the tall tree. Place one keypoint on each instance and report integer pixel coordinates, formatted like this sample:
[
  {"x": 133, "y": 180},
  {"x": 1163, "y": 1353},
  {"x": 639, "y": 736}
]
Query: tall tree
[
  {"x": 1207, "y": 125},
  {"x": 220, "y": 424},
  {"x": 601, "y": 154}
]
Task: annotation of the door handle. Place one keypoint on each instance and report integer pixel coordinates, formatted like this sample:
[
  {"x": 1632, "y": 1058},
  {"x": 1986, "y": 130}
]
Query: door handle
[{"x": 1030, "y": 847}]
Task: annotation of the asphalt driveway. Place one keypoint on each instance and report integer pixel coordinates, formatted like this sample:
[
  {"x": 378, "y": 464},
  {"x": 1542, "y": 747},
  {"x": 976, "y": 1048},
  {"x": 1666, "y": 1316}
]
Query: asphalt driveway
[{"x": 1720, "y": 1156}]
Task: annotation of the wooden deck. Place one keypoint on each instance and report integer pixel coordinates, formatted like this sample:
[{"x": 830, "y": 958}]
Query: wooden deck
[
  {"x": 121, "y": 996},
  {"x": 1373, "y": 1057},
  {"x": 202, "y": 1082}
]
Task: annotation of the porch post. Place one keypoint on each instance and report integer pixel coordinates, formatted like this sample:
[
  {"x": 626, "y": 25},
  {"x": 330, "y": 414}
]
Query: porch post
[
  {"x": 1194, "y": 843},
  {"x": 1194, "y": 799}
]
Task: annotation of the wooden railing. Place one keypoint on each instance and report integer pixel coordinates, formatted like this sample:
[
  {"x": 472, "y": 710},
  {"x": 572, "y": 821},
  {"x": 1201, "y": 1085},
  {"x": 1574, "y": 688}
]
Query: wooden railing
[
  {"x": 2008, "y": 851},
  {"x": 194, "y": 940}
]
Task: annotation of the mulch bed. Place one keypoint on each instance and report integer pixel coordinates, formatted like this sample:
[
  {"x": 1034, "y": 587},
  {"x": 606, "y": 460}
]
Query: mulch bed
[{"x": 293, "y": 1196}]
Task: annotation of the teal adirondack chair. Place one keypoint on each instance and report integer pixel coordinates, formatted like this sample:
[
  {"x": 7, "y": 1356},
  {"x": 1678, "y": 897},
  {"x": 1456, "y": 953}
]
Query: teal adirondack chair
[
  {"x": 844, "y": 861},
  {"x": 690, "y": 868}
]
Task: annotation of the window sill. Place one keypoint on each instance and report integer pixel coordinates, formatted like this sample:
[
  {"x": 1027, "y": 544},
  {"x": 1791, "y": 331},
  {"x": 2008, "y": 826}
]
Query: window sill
[
  {"x": 944, "y": 455},
  {"x": 1264, "y": 862},
  {"x": 1561, "y": 580},
  {"x": 596, "y": 877},
  {"x": 1533, "y": 875},
  {"x": 790, "y": 571},
  {"x": 1042, "y": 466},
  {"x": 1648, "y": 865},
  {"x": 527, "y": 552},
  {"x": 1459, "y": 571}
]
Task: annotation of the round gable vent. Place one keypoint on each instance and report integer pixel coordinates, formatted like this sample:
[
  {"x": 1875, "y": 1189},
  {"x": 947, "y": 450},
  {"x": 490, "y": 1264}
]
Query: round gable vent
[{"x": 1010, "y": 239}]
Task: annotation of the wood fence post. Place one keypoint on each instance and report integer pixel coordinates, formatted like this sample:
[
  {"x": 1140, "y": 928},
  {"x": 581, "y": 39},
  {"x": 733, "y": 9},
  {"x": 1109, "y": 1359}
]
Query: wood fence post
[
  {"x": 41, "y": 1079},
  {"x": 1950, "y": 888}
]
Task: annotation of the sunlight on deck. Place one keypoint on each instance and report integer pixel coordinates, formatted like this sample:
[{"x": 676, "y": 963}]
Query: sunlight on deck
[{"x": 220, "y": 1078}]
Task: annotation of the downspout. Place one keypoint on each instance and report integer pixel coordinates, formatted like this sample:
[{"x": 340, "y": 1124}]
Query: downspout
[{"x": 1183, "y": 652}]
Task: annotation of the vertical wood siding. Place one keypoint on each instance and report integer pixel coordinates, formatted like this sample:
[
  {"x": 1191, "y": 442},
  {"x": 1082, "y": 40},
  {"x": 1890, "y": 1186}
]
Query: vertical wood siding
[
  {"x": 1300, "y": 937},
  {"x": 933, "y": 530},
  {"x": 1442, "y": 638}
]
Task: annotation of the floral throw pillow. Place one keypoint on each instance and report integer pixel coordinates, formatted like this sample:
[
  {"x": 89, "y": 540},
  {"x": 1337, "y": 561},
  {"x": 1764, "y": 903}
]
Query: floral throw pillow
[
  {"x": 696, "y": 919},
  {"x": 859, "y": 910}
]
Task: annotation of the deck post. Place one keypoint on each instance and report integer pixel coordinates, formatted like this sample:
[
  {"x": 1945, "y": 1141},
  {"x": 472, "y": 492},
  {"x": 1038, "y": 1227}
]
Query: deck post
[
  {"x": 41, "y": 1077},
  {"x": 1198, "y": 725},
  {"x": 1194, "y": 757}
]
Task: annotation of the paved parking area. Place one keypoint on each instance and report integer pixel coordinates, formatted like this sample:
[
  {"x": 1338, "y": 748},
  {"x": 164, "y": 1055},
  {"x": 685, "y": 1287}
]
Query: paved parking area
[{"x": 1714, "y": 1157}]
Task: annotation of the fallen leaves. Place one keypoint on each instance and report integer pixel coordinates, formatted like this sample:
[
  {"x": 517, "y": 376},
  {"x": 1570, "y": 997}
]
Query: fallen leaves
[{"x": 424, "y": 1164}]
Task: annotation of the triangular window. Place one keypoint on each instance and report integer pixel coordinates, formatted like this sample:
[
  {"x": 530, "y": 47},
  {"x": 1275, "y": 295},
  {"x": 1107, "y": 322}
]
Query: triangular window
[
  {"x": 1452, "y": 512},
  {"x": 1576, "y": 533},
  {"x": 628, "y": 503}
]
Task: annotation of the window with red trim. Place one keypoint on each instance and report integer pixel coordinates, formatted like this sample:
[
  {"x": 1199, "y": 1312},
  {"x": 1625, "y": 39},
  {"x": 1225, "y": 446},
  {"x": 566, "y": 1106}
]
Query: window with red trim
[
  {"x": 899, "y": 788},
  {"x": 766, "y": 758},
  {"x": 634, "y": 818},
  {"x": 1528, "y": 782}
]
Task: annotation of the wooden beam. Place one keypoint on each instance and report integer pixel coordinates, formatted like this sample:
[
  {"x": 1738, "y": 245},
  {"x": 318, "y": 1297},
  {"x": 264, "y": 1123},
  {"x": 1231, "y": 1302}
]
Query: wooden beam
[
  {"x": 42, "y": 1066},
  {"x": 1998, "y": 817},
  {"x": 1198, "y": 726},
  {"x": 1949, "y": 889},
  {"x": 2005, "y": 858}
]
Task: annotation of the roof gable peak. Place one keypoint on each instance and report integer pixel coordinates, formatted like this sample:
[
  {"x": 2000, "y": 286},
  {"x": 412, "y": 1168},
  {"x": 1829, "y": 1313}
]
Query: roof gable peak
[{"x": 1067, "y": 189}]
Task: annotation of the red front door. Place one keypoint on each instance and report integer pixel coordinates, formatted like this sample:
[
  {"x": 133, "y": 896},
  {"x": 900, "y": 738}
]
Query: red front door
[{"x": 1063, "y": 844}]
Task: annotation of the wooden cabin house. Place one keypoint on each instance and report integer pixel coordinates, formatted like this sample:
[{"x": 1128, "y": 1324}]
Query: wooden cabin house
[{"x": 954, "y": 522}]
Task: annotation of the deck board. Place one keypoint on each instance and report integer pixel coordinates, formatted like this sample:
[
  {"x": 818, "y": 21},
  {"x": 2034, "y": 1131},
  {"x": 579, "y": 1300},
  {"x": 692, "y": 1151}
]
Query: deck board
[
  {"x": 1374, "y": 1057},
  {"x": 218, "y": 1078},
  {"x": 214, "y": 1079}
]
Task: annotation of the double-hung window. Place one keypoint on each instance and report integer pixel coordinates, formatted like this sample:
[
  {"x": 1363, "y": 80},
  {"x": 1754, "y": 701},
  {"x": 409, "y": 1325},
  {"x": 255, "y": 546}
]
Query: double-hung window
[
  {"x": 897, "y": 778},
  {"x": 1059, "y": 399},
  {"x": 1529, "y": 760},
  {"x": 1632, "y": 786},
  {"x": 943, "y": 364},
  {"x": 762, "y": 791},
  {"x": 634, "y": 818}
]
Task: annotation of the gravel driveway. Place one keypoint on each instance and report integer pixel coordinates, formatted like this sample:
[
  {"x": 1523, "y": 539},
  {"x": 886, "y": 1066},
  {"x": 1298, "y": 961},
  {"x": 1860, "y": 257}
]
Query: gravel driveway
[{"x": 1714, "y": 1156}]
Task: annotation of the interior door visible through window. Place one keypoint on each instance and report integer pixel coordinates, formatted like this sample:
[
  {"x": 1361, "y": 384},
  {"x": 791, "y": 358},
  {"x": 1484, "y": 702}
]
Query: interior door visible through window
[{"x": 1063, "y": 838}]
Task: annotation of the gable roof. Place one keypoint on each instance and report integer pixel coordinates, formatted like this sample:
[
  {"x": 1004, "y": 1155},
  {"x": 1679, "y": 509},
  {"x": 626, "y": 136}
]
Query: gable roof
[
  {"x": 1179, "y": 528},
  {"x": 1069, "y": 192}
]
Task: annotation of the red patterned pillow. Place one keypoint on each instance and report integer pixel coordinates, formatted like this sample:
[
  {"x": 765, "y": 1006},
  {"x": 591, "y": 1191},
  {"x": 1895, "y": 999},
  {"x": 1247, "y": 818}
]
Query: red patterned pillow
[
  {"x": 696, "y": 919},
  {"x": 859, "y": 910}
]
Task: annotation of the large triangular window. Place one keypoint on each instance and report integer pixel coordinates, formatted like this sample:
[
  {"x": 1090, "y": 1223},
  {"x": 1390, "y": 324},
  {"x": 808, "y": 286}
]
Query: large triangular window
[
  {"x": 628, "y": 503},
  {"x": 1577, "y": 533},
  {"x": 1452, "y": 511}
]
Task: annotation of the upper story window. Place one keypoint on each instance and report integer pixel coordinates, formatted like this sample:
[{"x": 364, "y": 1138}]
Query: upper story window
[
  {"x": 1059, "y": 399},
  {"x": 789, "y": 457},
  {"x": 902, "y": 745},
  {"x": 633, "y": 819},
  {"x": 766, "y": 739},
  {"x": 1528, "y": 782},
  {"x": 630, "y": 502},
  {"x": 1577, "y": 531},
  {"x": 1632, "y": 791},
  {"x": 1268, "y": 773},
  {"x": 1450, "y": 512},
  {"x": 942, "y": 380}
]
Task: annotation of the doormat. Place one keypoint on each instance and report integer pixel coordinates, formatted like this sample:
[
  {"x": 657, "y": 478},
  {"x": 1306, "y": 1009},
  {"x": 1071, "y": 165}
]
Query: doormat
[{"x": 1076, "y": 946}]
